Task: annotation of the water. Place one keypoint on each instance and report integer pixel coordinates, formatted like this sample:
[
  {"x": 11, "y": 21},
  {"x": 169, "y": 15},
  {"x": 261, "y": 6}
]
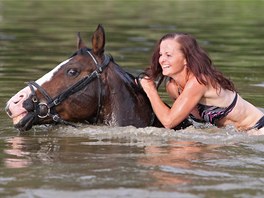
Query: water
[{"x": 100, "y": 161}]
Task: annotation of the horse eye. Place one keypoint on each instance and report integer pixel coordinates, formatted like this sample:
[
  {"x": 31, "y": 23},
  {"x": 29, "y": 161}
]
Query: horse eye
[{"x": 72, "y": 72}]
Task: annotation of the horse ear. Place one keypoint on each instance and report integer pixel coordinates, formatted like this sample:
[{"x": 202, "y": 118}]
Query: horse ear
[
  {"x": 98, "y": 40},
  {"x": 80, "y": 43}
]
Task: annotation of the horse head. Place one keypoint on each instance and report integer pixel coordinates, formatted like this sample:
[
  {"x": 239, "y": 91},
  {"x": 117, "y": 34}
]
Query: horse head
[{"x": 87, "y": 87}]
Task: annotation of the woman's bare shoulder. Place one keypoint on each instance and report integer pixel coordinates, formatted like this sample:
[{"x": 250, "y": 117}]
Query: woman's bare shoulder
[{"x": 194, "y": 86}]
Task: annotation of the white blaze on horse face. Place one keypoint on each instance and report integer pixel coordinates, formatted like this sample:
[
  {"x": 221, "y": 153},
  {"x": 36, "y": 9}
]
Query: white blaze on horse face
[
  {"x": 47, "y": 77},
  {"x": 15, "y": 104}
]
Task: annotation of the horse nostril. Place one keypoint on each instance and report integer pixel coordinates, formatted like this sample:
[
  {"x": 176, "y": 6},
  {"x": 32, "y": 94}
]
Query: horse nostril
[
  {"x": 19, "y": 98},
  {"x": 28, "y": 105}
]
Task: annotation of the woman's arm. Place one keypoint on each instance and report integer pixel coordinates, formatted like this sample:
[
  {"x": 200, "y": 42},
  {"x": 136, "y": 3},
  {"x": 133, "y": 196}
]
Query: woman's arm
[
  {"x": 174, "y": 91},
  {"x": 181, "y": 108}
]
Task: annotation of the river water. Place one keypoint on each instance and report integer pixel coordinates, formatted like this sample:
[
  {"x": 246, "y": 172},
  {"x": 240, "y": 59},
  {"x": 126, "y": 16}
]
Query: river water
[{"x": 101, "y": 161}]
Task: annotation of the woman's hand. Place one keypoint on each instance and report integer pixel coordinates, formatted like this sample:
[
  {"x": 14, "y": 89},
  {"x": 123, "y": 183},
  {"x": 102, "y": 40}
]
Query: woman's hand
[{"x": 148, "y": 85}]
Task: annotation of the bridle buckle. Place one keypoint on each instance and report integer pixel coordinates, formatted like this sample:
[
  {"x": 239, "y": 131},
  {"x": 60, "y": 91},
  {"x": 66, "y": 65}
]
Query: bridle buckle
[{"x": 56, "y": 102}]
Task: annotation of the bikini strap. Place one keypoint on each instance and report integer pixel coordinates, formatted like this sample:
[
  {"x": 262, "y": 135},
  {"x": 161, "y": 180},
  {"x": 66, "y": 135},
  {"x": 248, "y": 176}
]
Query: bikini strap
[{"x": 231, "y": 106}]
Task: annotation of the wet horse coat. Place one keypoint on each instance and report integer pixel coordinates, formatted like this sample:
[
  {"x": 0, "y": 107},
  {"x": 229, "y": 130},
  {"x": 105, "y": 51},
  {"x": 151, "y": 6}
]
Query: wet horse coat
[{"x": 88, "y": 87}]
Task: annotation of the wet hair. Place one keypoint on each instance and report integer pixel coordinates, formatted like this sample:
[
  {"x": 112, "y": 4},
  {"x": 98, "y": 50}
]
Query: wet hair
[{"x": 198, "y": 62}]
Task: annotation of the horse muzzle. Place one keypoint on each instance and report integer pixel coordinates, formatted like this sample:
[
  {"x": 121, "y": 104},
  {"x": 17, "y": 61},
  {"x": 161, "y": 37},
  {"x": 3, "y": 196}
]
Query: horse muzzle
[{"x": 31, "y": 113}]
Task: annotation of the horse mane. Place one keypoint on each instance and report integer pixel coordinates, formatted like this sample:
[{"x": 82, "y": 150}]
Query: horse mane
[{"x": 130, "y": 78}]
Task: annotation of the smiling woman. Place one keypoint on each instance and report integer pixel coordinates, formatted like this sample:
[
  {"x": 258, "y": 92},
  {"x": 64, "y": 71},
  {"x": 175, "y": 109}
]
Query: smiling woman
[{"x": 196, "y": 87}]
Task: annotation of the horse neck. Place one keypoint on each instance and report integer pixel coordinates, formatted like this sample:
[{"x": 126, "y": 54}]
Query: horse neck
[{"x": 123, "y": 99}]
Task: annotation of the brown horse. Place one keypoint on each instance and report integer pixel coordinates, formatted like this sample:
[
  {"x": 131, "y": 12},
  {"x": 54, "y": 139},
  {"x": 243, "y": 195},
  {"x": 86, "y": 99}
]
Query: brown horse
[{"x": 89, "y": 87}]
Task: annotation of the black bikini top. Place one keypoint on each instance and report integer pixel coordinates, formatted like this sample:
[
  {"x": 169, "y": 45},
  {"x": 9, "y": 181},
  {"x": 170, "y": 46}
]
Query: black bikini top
[{"x": 212, "y": 113}]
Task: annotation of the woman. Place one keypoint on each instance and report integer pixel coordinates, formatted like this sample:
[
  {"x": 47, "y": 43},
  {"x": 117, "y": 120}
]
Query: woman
[{"x": 196, "y": 86}]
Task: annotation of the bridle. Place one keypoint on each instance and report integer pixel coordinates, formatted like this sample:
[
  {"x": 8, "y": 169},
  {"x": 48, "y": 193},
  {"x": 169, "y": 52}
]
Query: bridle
[{"x": 43, "y": 110}]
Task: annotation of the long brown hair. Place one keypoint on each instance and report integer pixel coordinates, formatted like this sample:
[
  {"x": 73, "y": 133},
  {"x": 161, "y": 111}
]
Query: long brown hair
[{"x": 198, "y": 62}]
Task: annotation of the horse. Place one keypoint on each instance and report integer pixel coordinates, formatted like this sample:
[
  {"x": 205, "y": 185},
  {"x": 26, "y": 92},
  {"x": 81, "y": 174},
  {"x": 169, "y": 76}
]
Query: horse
[{"x": 89, "y": 87}]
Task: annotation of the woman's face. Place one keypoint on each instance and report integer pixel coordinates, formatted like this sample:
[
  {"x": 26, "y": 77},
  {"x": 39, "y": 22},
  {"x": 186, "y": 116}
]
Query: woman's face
[{"x": 171, "y": 58}]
